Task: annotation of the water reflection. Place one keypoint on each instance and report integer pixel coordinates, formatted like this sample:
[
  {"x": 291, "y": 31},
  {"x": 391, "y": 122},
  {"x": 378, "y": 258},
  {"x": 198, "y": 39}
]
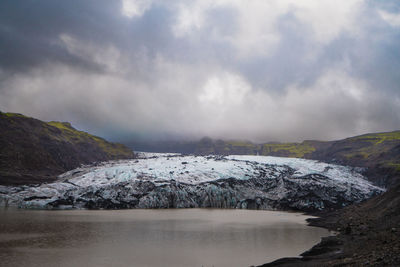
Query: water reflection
[{"x": 190, "y": 237}]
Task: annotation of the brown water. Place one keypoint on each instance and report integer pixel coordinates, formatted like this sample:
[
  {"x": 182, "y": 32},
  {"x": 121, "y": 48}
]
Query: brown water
[{"x": 173, "y": 237}]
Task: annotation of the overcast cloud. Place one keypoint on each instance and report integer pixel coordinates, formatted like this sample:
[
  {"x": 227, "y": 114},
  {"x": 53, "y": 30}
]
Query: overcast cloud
[{"x": 262, "y": 70}]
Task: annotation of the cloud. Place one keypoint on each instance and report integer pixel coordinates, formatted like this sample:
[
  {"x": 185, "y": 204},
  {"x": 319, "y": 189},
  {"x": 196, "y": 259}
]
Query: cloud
[
  {"x": 262, "y": 70},
  {"x": 256, "y": 31},
  {"x": 133, "y": 8},
  {"x": 107, "y": 57},
  {"x": 391, "y": 18}
]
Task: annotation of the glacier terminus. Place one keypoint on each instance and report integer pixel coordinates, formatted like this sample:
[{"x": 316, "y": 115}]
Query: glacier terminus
[{"x": 156, "y": 180}]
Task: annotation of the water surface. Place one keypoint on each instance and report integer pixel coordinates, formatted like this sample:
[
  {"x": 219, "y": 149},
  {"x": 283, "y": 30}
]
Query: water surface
[{"x": 173, "y": 237}]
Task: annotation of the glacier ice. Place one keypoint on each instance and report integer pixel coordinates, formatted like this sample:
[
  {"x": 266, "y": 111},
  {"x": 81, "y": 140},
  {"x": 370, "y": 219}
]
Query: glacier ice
[{"x": 176, "y": 181}]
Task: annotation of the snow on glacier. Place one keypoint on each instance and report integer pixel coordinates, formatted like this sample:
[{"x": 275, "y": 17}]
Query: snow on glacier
[
  {"x": 336, "y": 173},
  {"x": 200, "y": 169},
  {"x": 185, "y": 169}
]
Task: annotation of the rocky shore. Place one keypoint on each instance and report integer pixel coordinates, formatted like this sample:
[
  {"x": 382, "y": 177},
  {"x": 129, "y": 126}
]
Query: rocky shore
[{"x": 368, "y": 234}]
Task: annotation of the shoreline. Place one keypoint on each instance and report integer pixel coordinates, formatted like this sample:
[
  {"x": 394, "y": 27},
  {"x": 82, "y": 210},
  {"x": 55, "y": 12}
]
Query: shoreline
[
  {"x": 329, "y": 248},
  {"x": 368, "y": 235}
]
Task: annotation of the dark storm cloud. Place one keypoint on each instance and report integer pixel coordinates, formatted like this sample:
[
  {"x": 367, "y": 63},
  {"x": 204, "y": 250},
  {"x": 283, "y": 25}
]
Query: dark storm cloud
[
  {"x": 29, "y": 30},
  {"x": 259, "y": 70}
]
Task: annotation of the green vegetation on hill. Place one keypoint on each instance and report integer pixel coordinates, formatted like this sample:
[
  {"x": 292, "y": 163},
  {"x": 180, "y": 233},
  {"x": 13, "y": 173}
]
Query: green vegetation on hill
[
  {"x": 72, "y": 135},
  {"x": 366, "y": 150},
  {"x": 33, "y": 151},
  {"x": 11, "y": 115},
  {"x": 295, "y": 150},
  {"x": 236, "y": 147}
]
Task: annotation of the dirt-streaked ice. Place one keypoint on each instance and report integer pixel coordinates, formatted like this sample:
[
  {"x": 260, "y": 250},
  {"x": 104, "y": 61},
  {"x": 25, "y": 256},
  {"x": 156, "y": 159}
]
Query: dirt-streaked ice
[{"x": 170, "y": 180}]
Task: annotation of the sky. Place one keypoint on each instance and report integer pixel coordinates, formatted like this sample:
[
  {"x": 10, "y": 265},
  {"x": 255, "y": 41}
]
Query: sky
[{"x": 258, "y": 70}]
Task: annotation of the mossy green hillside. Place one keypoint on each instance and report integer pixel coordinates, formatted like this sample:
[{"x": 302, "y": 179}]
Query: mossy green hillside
[
  {"x": 209, "y": 146},
  {"x": 241, "y": 147},
  {"x": 378, "y": 138},
  {"x": 14, "y": 115},
  {"x": 296, "y": 150},
  {"x": 72, "y": 135},
  {"x": 382, "y": 148},
  {"x": 33, "y": 151}
]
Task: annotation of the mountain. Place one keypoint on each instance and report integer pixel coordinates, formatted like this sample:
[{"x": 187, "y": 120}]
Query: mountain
[
  {"x": 378, "y": 153},
  {"x": 33, "y": 151}
]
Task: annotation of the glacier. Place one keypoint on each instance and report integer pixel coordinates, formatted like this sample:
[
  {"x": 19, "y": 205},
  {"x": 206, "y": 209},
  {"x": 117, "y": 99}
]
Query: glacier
[{"x": 156, "y": 180}]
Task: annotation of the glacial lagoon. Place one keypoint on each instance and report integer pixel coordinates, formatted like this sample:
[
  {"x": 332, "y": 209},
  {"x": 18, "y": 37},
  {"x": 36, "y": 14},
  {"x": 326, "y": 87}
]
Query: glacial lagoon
[{"x": 162, "y": 237}]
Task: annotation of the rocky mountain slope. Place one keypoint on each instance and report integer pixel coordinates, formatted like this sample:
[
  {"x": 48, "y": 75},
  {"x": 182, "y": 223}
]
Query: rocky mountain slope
[
  {"x": 33, "y": 151},
  {"x": 173, "y": 181},
  {"x": 379, "y": 153}
]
